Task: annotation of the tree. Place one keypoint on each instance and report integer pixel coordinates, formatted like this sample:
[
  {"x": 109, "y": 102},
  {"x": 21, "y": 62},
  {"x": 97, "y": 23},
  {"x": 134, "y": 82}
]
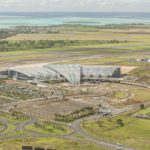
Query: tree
[
  {"x": 142, "y": 106},
  {"x": 100, "y": 123},
  {"x": 120, "y": 122},
  {"x": 100, "y": 105}
]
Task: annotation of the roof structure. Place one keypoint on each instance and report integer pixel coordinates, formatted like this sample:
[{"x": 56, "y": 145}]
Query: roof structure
[{"x": 73, "y": 73}]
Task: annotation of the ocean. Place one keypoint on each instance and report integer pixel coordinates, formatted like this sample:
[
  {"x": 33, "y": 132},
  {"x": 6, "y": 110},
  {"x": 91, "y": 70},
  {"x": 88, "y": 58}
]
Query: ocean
[{"x": 12, "y": 19}]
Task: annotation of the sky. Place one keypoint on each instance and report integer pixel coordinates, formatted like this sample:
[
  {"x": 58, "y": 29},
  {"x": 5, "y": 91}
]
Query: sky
[{"x": 76, "y": 5}]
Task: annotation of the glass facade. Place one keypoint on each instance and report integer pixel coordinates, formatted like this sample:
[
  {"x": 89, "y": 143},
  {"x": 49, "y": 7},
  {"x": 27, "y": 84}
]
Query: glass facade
[{"x": 73, "y": 73}]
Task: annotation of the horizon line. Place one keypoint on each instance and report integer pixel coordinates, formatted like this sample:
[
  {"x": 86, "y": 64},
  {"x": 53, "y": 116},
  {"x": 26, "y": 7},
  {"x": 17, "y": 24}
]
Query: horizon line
[{"x": 74, "y": 12}]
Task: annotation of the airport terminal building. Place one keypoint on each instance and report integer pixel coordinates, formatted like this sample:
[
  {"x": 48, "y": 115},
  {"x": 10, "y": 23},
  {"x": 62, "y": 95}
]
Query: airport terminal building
[{"x": 73, "y": 73}]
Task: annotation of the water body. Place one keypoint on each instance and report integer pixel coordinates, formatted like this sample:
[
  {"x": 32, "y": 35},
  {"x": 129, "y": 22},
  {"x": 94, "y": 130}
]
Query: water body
[{"x": 8, "y": 20}]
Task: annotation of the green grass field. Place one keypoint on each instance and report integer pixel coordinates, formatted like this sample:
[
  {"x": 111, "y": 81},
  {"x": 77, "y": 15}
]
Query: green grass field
[
  {"x": 1, "y": 126},
  {"x": 140, "y": 94},
  {"x": 107, "y": 54},
  {"x": 118, "y": 95},
  {"x": 49, "y": 128},
  {"x": 52, "y": 143},
  {"x": 10, "y": 128},
  {"x": 144, "y": 111},
  {"x": 17, "y": 118},
  {"x": 134, "y": 133}
]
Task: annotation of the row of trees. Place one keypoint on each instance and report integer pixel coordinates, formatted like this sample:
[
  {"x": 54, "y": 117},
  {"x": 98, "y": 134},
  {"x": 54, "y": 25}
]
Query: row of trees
[
  {"x": 75, "y": 115},
  {"x": 48, "y": 126},
  {"x": 41, "y": 44}
]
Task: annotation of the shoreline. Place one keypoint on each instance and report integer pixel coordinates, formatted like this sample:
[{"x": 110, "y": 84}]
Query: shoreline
[{"x": 73, "y": 24}]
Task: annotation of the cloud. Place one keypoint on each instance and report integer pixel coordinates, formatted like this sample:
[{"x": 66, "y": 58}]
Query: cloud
[{"x": 74, "y": 5}]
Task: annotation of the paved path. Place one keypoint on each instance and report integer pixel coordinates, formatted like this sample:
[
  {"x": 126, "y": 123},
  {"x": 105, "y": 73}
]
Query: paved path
[
  {"x": 75, "y": 126},
  {"x": 77, "y": 130}
]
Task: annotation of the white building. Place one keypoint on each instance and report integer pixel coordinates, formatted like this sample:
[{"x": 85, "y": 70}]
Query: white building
[{"x": 73, "y": 73}]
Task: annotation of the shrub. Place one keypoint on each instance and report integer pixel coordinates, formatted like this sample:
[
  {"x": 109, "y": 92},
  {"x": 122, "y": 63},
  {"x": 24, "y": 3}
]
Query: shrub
[
  {"x": 142, "y": 106},
  {"x": 120, "y": 122}
]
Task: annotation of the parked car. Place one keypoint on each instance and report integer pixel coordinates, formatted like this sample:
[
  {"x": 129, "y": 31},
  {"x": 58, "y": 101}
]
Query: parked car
[{"x": 105, "y": 111}]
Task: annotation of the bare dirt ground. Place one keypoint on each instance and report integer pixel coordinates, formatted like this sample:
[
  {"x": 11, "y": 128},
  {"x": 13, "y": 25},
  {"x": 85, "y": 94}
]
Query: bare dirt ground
[
  {"x": 87, "y": 95},
  {"x": 47, "y": 111},
  {"x": 102, "y": 34},
  {"x": 127, "y": 69}
]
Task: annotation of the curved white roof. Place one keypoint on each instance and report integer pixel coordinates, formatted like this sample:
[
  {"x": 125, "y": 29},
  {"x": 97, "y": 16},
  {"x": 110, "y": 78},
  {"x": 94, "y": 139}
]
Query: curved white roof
[{"x": 70, "y": 72}]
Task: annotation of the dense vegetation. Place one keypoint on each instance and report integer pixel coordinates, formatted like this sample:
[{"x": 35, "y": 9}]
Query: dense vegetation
[
  {"x": 30, "y": 44},
  {"x": 6, "y": 33}
]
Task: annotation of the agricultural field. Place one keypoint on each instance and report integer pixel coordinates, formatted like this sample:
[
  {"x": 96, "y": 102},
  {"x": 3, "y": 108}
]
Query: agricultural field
[{"x": 118, "y": 46}]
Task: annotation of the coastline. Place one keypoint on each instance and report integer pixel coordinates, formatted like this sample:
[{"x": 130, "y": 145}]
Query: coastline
[{"x": 13, "y": 19}]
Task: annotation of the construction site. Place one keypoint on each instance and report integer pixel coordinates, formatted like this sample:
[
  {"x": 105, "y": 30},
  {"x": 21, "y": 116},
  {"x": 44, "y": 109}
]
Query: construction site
[
  {"x": 34, "y": 98},
  {"x": 50, "y": 89},
  {"x": 42, "y": 100}
]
